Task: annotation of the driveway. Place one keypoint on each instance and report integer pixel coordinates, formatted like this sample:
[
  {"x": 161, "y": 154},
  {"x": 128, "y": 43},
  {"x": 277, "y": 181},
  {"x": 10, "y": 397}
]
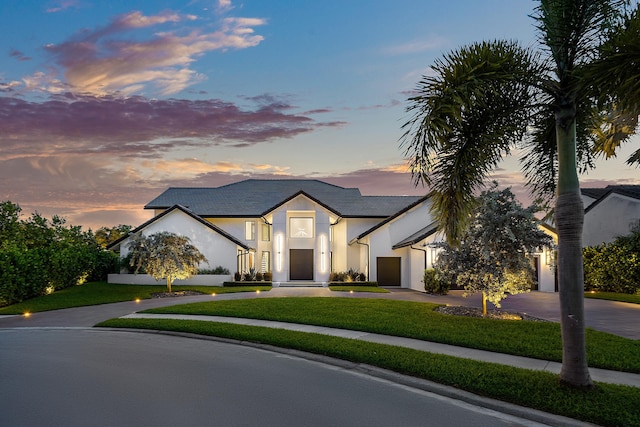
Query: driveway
[{"x": 609, "y": 316}]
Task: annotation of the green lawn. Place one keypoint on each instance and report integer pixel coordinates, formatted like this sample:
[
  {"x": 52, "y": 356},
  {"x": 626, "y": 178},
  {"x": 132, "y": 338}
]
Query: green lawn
[
  {"x": 540, "y": 340},
  {"x": 95, "y": 293},
  {"x": 606, "y": 404},
  {"x": 612, "y": 296}
]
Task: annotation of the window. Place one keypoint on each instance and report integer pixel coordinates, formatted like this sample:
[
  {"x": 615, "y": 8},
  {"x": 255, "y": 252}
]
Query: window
[
  {"x": 266, "y": 233},
  {"x": 301, "y": 228},
  {"x": 266, "y": 261},
  {"x": 250, "y": 230}
]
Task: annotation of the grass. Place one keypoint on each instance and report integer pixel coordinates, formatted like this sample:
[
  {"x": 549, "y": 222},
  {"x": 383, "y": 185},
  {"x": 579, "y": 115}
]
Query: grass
[
  {"x": 95, "y": 293},
  {"x": 612, "y": 296},
  {"x": 418, "y": 320},
  {"x": 606, "y": 404}
]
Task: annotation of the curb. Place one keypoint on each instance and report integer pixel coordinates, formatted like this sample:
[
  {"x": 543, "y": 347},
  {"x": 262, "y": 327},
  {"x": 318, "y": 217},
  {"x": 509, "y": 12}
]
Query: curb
[{"x": 376, "y": 372}]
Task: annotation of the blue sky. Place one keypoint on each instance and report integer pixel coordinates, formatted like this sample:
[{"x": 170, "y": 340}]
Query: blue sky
[{"x": 104, "y": 104}]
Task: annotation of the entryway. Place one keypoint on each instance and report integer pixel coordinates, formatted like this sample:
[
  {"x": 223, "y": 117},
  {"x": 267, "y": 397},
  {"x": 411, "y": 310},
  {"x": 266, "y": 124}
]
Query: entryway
[{"x": 300, "y": 264}]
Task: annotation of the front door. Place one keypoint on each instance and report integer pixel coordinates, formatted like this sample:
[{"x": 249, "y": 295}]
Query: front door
[{"x": 301, "y": 264}]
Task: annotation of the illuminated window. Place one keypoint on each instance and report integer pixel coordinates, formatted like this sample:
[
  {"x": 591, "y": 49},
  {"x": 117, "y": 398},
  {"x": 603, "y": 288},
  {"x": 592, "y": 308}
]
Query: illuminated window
[
  {"x": 266, "y": 233},
  {"x": 250, "y": 230},
  {"x": 301, "y": 228},
  {"x": 266, "y": 261}
]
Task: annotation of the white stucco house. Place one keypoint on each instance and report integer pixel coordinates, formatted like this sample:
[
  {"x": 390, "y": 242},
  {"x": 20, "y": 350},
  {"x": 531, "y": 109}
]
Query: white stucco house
[
  {"x": 609, "y": 212},
  {"x": 302, "y": 230}
]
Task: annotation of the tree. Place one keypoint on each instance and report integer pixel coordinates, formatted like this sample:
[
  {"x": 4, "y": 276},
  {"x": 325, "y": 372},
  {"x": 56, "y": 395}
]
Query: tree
[
  {"x": 165, "y": 255},
  {"x": 107, "y": 235},
  {"x": 493, "y": 256},
  {"x": 560, "y": 104}
]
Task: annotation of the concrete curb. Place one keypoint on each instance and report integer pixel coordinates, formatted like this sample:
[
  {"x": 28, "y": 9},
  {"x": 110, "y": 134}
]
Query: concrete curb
[{"x": 530, "y": 414}]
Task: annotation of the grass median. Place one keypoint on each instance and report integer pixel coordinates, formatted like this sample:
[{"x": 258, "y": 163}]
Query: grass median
[
  {"x": 606, "y": 404},
  {"x": 540, "y": 340}
]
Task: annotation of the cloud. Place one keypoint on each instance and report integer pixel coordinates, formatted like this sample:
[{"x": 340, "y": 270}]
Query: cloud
[
  {"x": 109, "y": 60},
  {"x": 16, "y": 54},
  {"x": 416, "y": 46},
  {"x": 137, "y": 126},
  {"x": 62, "y": 5}
]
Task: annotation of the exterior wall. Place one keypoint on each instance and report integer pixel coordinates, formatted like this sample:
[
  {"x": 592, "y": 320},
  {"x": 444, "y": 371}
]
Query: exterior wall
[
  {"x": 610, "y": 218},
  {"x": 145, "y": 279},
  {"x": 236, "y": 227},
  {"x": 284, "y": 241},
  {"x": 218, "y": 250}
]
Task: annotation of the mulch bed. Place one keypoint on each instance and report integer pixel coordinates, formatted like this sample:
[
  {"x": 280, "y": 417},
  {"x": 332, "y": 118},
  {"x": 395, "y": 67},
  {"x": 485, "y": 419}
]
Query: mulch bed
[
  {"x": 492, "y": 314},
  {"x": 175, "y": 294}
]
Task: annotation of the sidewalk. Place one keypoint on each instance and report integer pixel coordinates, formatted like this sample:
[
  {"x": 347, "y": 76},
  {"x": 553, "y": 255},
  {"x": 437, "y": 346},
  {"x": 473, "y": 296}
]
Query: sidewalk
[{"x": 601, "y": 375}]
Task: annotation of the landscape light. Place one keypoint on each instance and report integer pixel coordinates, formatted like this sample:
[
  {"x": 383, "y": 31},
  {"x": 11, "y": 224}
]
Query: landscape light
[
  {"x": 137, "y": 300},
  {"x": 213, "y": 294},
  {"x": 27, "y": 314}
]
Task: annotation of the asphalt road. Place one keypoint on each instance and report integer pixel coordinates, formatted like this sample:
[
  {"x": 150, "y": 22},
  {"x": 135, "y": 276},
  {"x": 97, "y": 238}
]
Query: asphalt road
[{"x": 90, "y": 377}]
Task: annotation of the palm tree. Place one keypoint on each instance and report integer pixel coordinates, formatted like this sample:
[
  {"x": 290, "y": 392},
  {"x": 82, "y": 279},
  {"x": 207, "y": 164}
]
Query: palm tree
[{"x": 483, "y": 100}]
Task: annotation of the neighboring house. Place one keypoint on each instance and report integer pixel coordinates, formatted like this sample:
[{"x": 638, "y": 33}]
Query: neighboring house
[
  {"x": 302, "y": 230},
  {"x": 609, "y": 213}
]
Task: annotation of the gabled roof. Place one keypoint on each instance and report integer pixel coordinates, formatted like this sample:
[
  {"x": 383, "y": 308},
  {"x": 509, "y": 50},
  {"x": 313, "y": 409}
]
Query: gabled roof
[
  {"x": 632, "y": 191},
  {"x": 192, "y": 215},
  {"x": 389, "y": 219},
  {"x": 418, "y": 236},
  {"x": 257, "y": 197}
]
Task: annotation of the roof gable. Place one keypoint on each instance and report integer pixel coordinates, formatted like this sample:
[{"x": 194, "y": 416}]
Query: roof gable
[{"x": 190, "y": 214}]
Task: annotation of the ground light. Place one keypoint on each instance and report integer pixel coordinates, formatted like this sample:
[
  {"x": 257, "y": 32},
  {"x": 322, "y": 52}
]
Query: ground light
[
  {"x": 213, "y": 294},
  {"x": 27, "y": 314},
  {"x": 137, "y": 300},
  {"x": 258, "y": 291}
]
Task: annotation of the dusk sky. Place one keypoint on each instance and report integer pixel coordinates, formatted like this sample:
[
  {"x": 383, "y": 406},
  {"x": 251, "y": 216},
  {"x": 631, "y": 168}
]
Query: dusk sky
[{"x": 105, "y": 104}]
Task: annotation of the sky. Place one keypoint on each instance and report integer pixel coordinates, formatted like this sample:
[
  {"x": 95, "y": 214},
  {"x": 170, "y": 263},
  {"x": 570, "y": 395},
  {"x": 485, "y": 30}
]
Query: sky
[{"x": 105, "y": 104}]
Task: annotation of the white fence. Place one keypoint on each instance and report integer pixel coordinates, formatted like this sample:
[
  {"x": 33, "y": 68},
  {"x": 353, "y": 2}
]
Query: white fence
[{"x": 145, "y": 279}]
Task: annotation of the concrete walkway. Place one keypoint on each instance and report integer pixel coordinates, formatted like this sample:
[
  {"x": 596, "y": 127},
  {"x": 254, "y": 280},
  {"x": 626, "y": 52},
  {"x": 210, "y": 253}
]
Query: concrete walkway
[{"x": 601, "y": 375}]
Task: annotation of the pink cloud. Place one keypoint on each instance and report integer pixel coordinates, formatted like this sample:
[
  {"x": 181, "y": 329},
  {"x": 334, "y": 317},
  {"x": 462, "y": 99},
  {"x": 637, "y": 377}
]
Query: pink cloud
[
  {"x": 69, "y": 124},
  {"x": 102, "y": 61}
]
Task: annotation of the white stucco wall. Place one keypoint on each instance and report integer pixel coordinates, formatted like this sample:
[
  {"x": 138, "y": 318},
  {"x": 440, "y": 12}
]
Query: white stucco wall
[
  {"x": 218, "y": 250},
  {"x": 145, "y": 279},
  {"x": 609, "y": 219}
]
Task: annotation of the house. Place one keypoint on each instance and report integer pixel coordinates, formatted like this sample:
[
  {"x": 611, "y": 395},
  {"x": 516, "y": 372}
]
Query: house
[
  {"x": 302, "y": 230},
  {"x": 609, "y": 212}
]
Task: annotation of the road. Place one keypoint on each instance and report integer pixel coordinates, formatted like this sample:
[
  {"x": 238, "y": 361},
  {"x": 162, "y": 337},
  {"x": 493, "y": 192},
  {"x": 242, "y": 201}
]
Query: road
[{"x": 90, "y": 377}]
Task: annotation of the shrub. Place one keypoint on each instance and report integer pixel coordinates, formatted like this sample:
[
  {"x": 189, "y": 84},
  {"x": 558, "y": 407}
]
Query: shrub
[
  {"x": 237, "y": 276},
  {"x": 613, "y": 267},
  {"x": 219, "y": 270},
  {"x": 267, "y": 276},
  {"x": 433, "y": 284},
  {"x": 259, "y": 276}
]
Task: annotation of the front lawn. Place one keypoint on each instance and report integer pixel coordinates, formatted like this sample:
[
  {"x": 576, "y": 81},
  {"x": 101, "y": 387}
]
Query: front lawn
[
  {"x": 417, "y": 320},
  {"x": 612, "y": 296},
  {"x": 95, "y": 293},
  {"x": 606, "y": 405}
]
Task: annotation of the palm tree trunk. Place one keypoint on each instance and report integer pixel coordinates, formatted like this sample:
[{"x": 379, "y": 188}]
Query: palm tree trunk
[{"x": 569, "y": 221}]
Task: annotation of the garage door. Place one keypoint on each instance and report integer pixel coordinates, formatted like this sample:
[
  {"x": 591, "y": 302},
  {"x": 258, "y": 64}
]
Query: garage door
[{"x": 388, "y": 271}]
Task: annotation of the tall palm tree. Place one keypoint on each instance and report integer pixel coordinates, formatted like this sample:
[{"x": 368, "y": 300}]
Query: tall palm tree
[{"x": 557, "y": 103}]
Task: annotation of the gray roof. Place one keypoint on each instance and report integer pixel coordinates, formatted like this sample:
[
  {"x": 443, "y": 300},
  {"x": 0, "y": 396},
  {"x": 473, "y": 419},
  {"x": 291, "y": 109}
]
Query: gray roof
[
  {"x": 626, "y": 190},
  {"x": 257, "y": 197}
]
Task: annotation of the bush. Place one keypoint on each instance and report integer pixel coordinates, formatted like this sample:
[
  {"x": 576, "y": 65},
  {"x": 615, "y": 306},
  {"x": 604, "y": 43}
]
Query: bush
[
  {"x": 433, "y": 283},
  {"x": 219, "y": 270},
  {"x": 267, "y": 276},
  {"x": 259, "y": 277},
  {"x": 613, "y": 267},
  {"x": 237, "y": 276}
]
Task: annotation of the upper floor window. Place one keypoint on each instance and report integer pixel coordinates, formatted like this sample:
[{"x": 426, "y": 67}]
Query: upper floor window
[
  {"x": 250, "y": 230},
  {"x": 300, "y": 228},
  {"x": 266, "y": 233}
]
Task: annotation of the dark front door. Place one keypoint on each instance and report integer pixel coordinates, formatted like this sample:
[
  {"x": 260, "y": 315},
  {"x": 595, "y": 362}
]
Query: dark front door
[
  {"x": 301, "y": 264},
  {"x": 388, "y": 271}
]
